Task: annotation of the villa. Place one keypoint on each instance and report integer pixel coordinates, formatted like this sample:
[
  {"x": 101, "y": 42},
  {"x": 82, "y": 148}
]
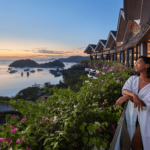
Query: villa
[{"x": 132, "y": 38}]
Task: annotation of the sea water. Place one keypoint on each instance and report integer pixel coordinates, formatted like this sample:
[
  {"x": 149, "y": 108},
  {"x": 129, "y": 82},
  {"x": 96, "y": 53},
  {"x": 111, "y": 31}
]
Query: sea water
[{"x": 11, "y": 84}]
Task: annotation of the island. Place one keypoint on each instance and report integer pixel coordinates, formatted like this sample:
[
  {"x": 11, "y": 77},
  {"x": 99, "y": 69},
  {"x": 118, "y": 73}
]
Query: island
[
  {"x": 74, "y": 59},
  {"x": 31, "y": 63}
]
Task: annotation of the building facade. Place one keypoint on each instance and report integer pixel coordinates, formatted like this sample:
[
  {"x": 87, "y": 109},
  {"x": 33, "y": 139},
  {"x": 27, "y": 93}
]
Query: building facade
[{"x": 132, "y": 38}]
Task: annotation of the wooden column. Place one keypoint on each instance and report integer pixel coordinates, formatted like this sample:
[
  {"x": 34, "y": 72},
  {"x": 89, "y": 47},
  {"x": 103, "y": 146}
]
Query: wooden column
[
  {"x": 91, "y": 57},
  {"x": 144, "y": 49},
  {"x": 96, "y": 57}
]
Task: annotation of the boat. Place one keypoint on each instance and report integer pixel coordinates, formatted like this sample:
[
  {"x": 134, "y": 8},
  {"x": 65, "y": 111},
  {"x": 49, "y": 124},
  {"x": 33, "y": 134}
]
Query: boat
[
  {"x": 32, "y": 71},
  {"x": 39, "y": 69},
  {"x": 13, "y": 71},
  {"x": 27, "y": 69},
  {"x": 87, "y": 69},
  {"x": 9, "y": 68},
  {"x": 55, "y": 72}
]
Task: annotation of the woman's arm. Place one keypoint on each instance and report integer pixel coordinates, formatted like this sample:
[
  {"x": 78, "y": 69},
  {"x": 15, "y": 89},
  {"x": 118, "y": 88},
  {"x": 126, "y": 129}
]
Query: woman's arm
[
  {"x": 131, "y": 96},
  {"x": 127, "y": 92}
]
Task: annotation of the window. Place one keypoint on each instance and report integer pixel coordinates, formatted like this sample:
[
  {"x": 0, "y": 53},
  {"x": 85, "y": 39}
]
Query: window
[
  {"x": 130, "y": 57},
  {"x": 135, "y": 55},
  {"x": 138, "y": 51},
  {"x": 118, "y": 59},
  {"x": 122, "y": 57},
  {"x": 2, "y": 119},
  {"x": 125, "y": 56},
  {"x": 148, "y": 49},
  {"x": 114, "y": 57}
]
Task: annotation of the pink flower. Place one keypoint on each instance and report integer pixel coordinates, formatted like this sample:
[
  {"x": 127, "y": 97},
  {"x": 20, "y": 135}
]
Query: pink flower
[
  {"x": 1, "y": 140},
  {"x": 28, "y": 148},
  {"x": 18, "y": 141},
  {"x": 46, "y": 118},
  {"x": 14, "y": 116},
  {"x": 118, "y": 78},
  {"x": 51, "y": 122},
  {"x": 112, "y": 132},
  {"x": 23, "y": 119},
  {"x": 7, "y": 144},
  {"x": 110, "y": 86},
  {"x": 103, "y": 86},
  {"x": 23, "y": 139},
  {"x": 13, "y": 130},
  {"x": 112, "y": 126},
  {"x": 59, "y": 132},
  {"x": 100, "y": 128},
  {"x": 11, "y": 127}
]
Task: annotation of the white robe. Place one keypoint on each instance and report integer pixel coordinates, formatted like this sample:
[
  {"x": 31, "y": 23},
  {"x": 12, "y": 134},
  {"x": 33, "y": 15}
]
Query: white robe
[{"x": 132, "y": 84}]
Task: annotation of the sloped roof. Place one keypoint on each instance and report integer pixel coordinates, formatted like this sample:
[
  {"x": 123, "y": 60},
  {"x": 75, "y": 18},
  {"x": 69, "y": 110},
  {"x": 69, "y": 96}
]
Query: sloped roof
[
  {"x": 89, "y": 48},
  {"x": 104, "y": 42},
  {"x": 100, "y": 45},
  {"x": 122, "y": 25},
  {"x": 111, "y": 37},
  {"x": 93, "y": 46},
  {"x": 5, "y": 108},
  {"x": 114, "y": 33}
]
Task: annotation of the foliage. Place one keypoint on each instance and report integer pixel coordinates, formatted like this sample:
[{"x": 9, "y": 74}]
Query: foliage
[
  {"x": 6, "y": 98},
  {"x": 30, "y": 93},
  {"x": 70, "y": 120}
]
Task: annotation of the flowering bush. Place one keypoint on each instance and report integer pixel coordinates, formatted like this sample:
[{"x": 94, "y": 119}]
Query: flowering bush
[{"x": 69, "y": 120}]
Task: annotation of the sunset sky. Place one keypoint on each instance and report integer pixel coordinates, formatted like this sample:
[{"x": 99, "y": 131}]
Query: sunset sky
[{"x": 44, "y": 29}]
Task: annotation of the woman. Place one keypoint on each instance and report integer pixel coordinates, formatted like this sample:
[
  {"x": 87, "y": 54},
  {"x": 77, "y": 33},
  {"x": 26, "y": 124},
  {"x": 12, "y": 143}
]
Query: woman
[{"x": 137, "y": 90}]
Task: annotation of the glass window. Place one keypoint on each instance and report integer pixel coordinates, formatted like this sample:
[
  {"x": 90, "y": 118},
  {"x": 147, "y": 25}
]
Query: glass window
[
  {"x": 148, "y": 49},
  {"x": 138, "y": 51},
  {"x": 125, "y": 56},
  {"x": 122, "y": 57},
  {"x": 114, "y": 57},
  {"x": 130, "y": 57},
  {"x": 118, "y": 59}
]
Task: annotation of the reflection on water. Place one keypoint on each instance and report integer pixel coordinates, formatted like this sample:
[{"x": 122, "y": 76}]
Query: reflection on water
[{"x": 11, "y": 84}]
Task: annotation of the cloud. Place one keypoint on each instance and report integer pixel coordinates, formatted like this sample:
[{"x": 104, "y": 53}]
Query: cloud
[
  {"x": 46, "y": 51},
  {"x": 5, "y": 50},
  {"x": 79, "y": 48}
]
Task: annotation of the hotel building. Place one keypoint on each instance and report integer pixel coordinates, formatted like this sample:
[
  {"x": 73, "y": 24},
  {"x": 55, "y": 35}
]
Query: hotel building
[{"x": 132, "y": 38}]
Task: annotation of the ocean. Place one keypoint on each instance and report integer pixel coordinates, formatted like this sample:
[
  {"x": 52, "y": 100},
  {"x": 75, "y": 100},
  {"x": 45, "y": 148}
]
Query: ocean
[{"x": 11, "y": 84}]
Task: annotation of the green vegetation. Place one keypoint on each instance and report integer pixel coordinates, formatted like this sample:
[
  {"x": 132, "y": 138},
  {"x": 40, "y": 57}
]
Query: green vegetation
[
  {"x": 30, "y": 93},
  {"x": 70, "y": 120}
]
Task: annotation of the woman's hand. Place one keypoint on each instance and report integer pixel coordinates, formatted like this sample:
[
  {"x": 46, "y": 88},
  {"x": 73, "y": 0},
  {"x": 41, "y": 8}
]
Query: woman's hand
[
  {"x": 121, "y": 100},
  {"x": 137, "y": 102}
]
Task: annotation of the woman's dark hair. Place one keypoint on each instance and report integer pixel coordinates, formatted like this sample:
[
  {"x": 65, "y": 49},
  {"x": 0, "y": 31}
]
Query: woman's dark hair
[{"x": 147, "y": 61}]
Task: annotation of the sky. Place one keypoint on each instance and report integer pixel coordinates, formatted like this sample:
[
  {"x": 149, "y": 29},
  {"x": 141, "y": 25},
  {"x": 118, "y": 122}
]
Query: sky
[{"x": 44, "y": 29}]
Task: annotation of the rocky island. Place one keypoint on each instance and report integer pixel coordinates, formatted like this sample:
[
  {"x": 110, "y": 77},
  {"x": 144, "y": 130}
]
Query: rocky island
[{"x": 31, "y": 63}]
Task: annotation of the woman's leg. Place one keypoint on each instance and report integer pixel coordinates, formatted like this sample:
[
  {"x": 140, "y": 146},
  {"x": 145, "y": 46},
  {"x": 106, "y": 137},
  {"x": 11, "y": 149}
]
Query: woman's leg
[{"x": 137, "y": 139}]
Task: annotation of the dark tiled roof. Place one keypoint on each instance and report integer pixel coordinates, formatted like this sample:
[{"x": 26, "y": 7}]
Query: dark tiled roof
[
  {"x": 93, "y": 45},
  {"x": 4, "y": 108},
  {"x": 114, "y": 33},
  {"x": 104, "y": 41}
]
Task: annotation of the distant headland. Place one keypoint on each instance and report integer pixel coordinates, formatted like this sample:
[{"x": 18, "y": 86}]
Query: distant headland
[
  {"x": 31, "y": 63},
  {"x": 74, "y": 59}
]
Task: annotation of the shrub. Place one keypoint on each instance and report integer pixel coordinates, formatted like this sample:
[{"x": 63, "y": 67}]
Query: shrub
[{"x": 69, "y": 120}]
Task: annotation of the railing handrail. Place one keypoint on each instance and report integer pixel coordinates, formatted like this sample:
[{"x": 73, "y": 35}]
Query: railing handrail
[{"x": 118, "y": 128}]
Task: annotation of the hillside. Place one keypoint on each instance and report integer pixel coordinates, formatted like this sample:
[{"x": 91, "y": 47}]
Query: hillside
[
  {"x": 23, "y": 63},
  {"x": 31, "y": 63},
  {"x": 74, "y": 59}
]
